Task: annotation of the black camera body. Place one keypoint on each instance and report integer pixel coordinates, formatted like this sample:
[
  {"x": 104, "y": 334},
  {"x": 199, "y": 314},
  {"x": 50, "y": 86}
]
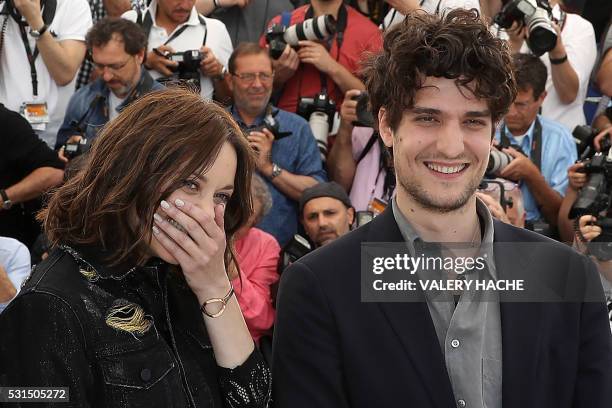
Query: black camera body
[
  {"x": 319, "y": 112},
  {"x": 72, "y": 150},
  {"x": 188, "y": 63},
  {"x": 270, "y": 123},
  {"x": 296, "y": 248},
  {"x": 583, "y": 137},
  {"x": 364, "y": 114},
  {"x": 313, "y": 29},
  {"x": 594, "y": 199},
  {"x": 536, "y": 15}
]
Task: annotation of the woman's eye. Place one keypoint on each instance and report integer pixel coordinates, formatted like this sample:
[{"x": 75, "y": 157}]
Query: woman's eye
[
  {"x": 191, "y": 185},
  {"x": 222, "y": 198}
]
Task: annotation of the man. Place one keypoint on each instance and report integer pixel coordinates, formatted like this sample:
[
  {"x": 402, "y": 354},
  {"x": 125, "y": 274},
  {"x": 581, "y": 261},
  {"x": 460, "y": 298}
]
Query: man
[
  {"x": 402, "y": 7},
  {"x": 569, "y": 65},
  {"x": 331, "y": 349},
  {"x": 332, "y": 66},
  {"x": 289, "y": 161},
  {"x": 28, "y": 168},
  {"x": 326, "y": 212},
  {"x": 117, "y": 47},
  {"x": 43, "y": 47},
  {"x": 174, "y": 26},
  {"x": 548, "y": 146}
]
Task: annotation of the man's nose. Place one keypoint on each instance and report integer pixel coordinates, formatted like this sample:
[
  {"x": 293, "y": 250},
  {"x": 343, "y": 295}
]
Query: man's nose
[
  {"x": 107, "y": 75},
  {"x": 450, "y": 140}
]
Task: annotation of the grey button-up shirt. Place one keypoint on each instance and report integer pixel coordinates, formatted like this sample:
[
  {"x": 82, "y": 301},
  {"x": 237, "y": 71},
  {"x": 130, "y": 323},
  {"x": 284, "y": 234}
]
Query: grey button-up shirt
[{"x": 470, "y": 333}]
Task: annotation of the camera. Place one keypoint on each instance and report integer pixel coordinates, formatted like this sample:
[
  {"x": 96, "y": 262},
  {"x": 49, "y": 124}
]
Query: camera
[
  {"x": 296, "y": 248},
  {"x": 498, "y": 160},
  {"x": 188, "y": 63},
  {"x": 317, "y": 28},
  {"x": 270, "y": 123},
  {"x": 364, "y": 115},
  {"x": 536, "y": 15},
  {"x": 320, "y": 112},
  {"x": 594, "y": 199},
  {"x": 72, "y": 150},
  {"x": 583, "y": 136}
]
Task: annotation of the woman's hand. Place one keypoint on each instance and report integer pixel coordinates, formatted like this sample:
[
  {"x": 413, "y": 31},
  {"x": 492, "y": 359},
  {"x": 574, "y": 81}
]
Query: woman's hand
[
  {"x": 197, "y": 243},
  {"x": 587, "y": 227}
]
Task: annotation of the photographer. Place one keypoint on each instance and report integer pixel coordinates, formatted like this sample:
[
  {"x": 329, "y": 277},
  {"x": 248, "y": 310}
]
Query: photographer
[
  {"x": 28, "y": 168},
  {"x": 174, "y": 27},
  {"x": 41, "y": 49},
  {"x": 358, "y": 161},
  {"x": 117, "y": 47},
  {"x": 329, "y": 65},
  {"x": 548, "y": 146},
  {"x": 587, "y": 232},
  {"x": 326, "y": 213},
  {"x": 14, "y": 269},
  {"x": 287, "y": 154},
  {"x": 569, "y": 64}
]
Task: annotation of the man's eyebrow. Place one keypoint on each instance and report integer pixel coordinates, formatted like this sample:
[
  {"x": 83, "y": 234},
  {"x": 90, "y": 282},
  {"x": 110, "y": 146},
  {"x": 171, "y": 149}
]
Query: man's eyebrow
[
  {"x": 421, "y": 109},
  {"x": 478, "y": 114}
]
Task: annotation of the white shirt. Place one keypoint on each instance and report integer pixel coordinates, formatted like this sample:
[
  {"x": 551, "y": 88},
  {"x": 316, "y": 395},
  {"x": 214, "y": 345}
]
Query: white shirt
[
  {"x": 218, "y": 40},
  {"x": 15, "y": 259},
  {"x": 71, "y": 22},
  {"x": 578, "y": 38},
  {"x": 113, "y": 102},
  {"x": 430, "y": 6}
]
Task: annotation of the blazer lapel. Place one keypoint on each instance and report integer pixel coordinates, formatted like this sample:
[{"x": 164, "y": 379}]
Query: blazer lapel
[
  {"x": 411, "y": 322},
  {"x": 520, "y": 327}
]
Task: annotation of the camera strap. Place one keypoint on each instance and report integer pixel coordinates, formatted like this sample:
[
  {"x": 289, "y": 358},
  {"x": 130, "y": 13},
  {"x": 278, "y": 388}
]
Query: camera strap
[
  {"x": 48, "y": 12},
  {"x": 536, "y": 143},
  {"x": 146, "y": 23}
]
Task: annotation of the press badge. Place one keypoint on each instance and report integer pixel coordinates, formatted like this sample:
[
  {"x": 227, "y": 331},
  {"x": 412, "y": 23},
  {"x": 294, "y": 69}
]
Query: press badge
[
  {"x": 377, "y": 206},
  {"x": 36, "y": 114}
]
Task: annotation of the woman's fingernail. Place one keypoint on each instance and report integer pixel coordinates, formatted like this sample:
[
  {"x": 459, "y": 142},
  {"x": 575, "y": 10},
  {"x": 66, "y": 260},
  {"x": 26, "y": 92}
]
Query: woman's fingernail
[
  {"x": 179, "y": 202},
  {"x": 155, "y": 230},
  {"x": 157, "y": 217},
  {"x": 164, "y": 204}
]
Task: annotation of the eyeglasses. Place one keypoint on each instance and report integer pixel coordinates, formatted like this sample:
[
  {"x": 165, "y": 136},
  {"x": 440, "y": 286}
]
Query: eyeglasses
[
  {"x": 112, "y": 67},
  {"x": 249, "y": 77}
]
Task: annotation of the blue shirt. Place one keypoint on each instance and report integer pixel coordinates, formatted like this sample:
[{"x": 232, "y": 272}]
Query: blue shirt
[
  {"x": 297, "y": 154},
  {"x": 558, "y": 154},
  {"x": 15, "y": 259}
]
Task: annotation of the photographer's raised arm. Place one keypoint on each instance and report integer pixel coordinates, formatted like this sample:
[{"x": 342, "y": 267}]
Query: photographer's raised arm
[
  {"x": 62, "y": 58},
  {"x": 565, "y": 79},
  {"x": 7, "y": 290}
]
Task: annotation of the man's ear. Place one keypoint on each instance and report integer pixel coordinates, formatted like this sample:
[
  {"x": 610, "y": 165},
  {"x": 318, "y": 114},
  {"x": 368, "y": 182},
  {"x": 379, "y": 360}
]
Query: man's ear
[
  {"x": 351, "y": 215},
  {"x": 541, "y": 98},
  {"x": 140, "y": 56},
  {"x": 386, "y": 134}
]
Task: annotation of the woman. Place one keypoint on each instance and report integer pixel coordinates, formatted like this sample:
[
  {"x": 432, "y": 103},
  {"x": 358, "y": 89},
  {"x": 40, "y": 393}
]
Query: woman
[{"x": 134, "y": 307}]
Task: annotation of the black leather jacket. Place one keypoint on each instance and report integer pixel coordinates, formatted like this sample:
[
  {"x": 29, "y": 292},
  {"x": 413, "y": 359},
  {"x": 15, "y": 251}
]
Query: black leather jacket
[{"x": 119, "y": 337}]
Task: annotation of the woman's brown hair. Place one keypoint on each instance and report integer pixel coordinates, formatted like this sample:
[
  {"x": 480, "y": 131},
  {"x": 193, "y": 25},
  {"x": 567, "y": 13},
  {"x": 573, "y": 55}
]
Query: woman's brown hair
[{"x": 137, "y": 160}]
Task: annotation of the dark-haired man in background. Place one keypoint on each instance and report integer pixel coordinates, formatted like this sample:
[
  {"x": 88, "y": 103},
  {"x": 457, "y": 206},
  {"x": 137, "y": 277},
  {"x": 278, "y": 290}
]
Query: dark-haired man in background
[
  {"x": 438, "y": 89},
  {"x": 117, "y": 48}
]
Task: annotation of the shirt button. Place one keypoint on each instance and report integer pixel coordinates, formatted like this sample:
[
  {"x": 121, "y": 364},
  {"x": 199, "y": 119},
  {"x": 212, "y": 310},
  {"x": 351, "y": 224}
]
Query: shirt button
[
  {"x": 455, "y": 343},
  {"x": 461, "y": 403},
  {"x": 145, "y": 374}
]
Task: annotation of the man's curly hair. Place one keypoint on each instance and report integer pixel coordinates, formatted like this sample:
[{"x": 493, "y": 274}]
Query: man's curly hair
[{"x": 456, "y": 46}]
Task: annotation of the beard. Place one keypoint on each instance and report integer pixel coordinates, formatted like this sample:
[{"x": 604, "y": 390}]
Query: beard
[{"x": 442, "y": 203}]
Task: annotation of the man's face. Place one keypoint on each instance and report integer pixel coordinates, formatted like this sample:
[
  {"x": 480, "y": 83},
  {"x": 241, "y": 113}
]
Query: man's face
[
  {"x": 523, "y": 111},
  {"x": 177, "y": 11},
  {"x": 441, "y": 145},
  {"x": 325, "y": 219},
  {"x": 252, "y": 83},
  {"x": 119, "y": 70}
]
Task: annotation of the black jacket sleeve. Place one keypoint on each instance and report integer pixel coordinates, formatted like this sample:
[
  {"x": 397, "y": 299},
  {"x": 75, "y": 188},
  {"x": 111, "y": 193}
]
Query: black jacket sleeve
[
  {"x": 42, "y": 345},
  {"x": 307, "y": 367},
  {"x": 248, "y": 385}
]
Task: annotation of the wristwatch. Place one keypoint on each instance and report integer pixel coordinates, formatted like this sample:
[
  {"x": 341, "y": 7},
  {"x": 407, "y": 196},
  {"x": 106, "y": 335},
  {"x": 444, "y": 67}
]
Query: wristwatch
[
  {"x": 36, "y": 34},
  {"x": 6, "y": 201},
  {"x": 221, "y": 76},
  {"x": 276, "y": 171}
]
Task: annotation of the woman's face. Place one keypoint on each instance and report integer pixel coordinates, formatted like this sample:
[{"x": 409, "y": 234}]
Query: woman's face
[{"x": 206, "y": 190}]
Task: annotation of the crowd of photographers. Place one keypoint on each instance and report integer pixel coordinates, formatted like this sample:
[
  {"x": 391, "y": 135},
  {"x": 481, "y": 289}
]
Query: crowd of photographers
[{"x": 289, "y": 73}]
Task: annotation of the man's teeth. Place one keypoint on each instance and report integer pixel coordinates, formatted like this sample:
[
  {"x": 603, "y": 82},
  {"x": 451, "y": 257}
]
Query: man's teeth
[
  {"x": 446, "y": 169},
  {"x": 176, "y": 224}
]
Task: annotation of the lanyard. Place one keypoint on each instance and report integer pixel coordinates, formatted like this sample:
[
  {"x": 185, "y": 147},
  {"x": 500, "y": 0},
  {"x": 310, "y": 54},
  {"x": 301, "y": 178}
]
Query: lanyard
[
  {"x": 536, "y": 143},
  {"x": 31, "y": 58}
]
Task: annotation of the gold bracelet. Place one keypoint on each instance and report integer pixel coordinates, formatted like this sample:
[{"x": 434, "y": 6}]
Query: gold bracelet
[{"x": 223, "y": 302}]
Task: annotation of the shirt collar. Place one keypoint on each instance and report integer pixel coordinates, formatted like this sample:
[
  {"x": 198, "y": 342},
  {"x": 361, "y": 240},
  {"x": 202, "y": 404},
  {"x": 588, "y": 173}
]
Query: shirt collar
[
  {"x": 258, "y": 120},
  {"x": 193, "y": 19},
  {"x": 529, "y": 134},
  {"x": 411, "y": 236}
]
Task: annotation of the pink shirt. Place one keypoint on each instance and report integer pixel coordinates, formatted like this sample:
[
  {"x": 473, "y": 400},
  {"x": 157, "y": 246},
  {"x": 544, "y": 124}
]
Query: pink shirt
[
  {"x": 368, "y": 181},
  {"x": 257, "y": 253}
]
